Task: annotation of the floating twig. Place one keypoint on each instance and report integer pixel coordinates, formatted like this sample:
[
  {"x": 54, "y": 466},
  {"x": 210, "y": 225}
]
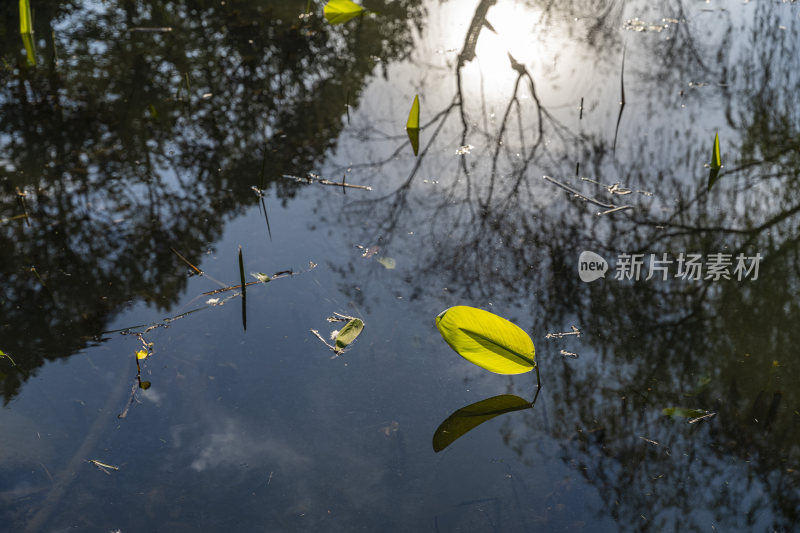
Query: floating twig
[
  {"x": 575, "y": 331},
  {"x": 105, "y": 467},
  {"x": 277, "y": 275},
  {"x": 699, "y": 418},
  {"x": 197, "y": 270},
  {"x": 142, "y": 29},
  {"x": 614, "y": 210},
  {"x": 313, "y": 178},
  {"x": 609, "y": 207}
]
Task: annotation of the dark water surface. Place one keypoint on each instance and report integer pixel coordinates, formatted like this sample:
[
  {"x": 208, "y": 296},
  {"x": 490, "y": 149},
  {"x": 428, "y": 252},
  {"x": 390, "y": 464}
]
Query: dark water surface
[{"x": 124, "y": 146}]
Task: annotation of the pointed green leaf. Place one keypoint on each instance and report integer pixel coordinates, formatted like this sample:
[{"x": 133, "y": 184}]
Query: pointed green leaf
[
  {"x": 469, "y": 417},
  {"x": 348, "y": 334},
  {"x": 412, "y": 125},
  {"x": 716, "y": 162},
  {"x": 25, "y": 22},
  {"x": 487, "y": 340},
  {"x": 413, "y": 115},
  {"x": 340, "y": 11}
]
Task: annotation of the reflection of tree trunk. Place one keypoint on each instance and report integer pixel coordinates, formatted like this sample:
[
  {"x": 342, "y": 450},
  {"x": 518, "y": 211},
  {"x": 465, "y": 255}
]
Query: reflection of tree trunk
[{"x": 475, "y": 27}]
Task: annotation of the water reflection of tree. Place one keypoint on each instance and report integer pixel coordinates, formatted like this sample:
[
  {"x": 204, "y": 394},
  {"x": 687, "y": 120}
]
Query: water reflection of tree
[
  {"x": 127, "y": 143},
  {"x": 498, "y": 234}
]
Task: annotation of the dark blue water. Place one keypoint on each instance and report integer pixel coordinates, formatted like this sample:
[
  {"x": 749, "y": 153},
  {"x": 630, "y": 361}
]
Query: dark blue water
[{"x": 126, "y": 143}]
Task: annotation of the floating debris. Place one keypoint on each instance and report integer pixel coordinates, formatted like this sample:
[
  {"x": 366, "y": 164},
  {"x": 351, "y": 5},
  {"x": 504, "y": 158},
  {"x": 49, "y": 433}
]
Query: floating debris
[
  {"x": 142, "y": 29},
  {"x": 610, "y": 208},
  {"x": 313, "y": 178},
  {"x": 344, "y": 337},
  {"x": 105, "y": 467},
  {"x": 466, "y": 149},
  {"x": 695, "y": 415},
  {"x": 369, "y": 251},
  {"x": 571, "y": 355},
  {"x": 637, "y": 25},
  {"x": 575, "y": 331},
  {"x": 387, "y": 262}
]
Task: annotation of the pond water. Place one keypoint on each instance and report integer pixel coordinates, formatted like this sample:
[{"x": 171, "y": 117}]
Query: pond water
[{"x": 565, "y": 180}]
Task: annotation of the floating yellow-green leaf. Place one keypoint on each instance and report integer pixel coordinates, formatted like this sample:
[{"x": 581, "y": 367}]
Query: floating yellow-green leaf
[
  {"x": 25, "y": 21},
  {"x": 471, "y": 416},
  {"x": 682, "y": 412},
  {"x": 340, "y": 11},
  {"x": 412, "y": 125},
  {"x": 487, "y": 340},
  {"x": 141, "y": 354},
  {"x": 387, "y": 262},
  {"x": 348, "y": 333}
]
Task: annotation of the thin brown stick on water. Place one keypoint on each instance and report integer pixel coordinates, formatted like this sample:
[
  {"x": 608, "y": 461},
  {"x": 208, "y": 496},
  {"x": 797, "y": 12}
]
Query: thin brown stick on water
[{"x": 197, "y": 270}]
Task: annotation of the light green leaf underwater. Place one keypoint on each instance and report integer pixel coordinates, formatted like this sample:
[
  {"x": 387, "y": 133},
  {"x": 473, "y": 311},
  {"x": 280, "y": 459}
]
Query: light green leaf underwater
[{"x": 487, "y": 340}]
